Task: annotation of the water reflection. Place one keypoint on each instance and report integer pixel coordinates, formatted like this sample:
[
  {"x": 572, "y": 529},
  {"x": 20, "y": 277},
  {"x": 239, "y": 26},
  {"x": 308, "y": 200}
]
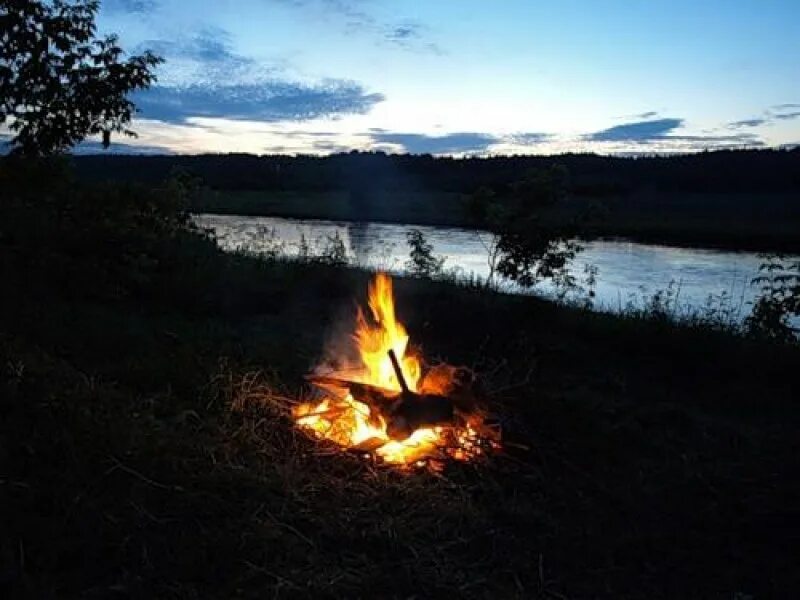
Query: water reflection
[{"x": 626, "y": 271}]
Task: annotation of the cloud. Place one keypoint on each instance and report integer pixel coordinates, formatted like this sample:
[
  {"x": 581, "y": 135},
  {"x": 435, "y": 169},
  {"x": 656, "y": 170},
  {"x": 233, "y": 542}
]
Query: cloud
[
  {"x": 409, "y": 36},
  {"x": 747, "y": 123},
  {"x": 659, "y": 132},
  {"x": 94, "y": 147},
  {"x": 210, "y": 44},
  {"x": 457, "y": 143},
  {"x": 403, "y": 33},
  {"x": 273, "y": 100},
  {"x": 330, "y": 147},
  {"x": 406, "y": 35},
  {"x": 778, "y": 112},
  {"x": 638, "y": 131},
  {"x": 377, "y": 139},
  {"x": 418, "y": 143},
  {"x": 207, "y": 55},
  {"x": 349, "y": 10},
  {"x": 783, "y": 112},
  {"x": 205, "y": 77},
  {"x": 528, "y": 139},
  {"x": 129, "y": 6}
]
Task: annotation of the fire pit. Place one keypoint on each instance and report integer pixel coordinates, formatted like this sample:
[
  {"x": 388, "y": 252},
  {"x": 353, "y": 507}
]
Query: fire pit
[{"x": 390, "y": 405}]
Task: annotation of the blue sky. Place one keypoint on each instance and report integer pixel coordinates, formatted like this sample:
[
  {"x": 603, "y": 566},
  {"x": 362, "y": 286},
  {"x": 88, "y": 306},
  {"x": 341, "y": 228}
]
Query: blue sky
[{"x": 465, "y": 76}]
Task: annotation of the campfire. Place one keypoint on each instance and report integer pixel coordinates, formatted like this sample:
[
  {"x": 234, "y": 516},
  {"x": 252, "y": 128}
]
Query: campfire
[{"x": 388, "y": 403}]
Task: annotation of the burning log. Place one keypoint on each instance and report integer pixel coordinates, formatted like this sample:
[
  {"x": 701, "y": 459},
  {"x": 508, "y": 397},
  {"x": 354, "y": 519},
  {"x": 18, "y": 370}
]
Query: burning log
[
  {"x": 404, "y": 412},
  {"x": 413, "y": 411},
  {"x": 395, "y": 408}
]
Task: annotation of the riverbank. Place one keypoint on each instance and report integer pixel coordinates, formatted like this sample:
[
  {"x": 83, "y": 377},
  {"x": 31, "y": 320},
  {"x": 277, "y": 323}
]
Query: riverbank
[
  {"x": 767, "y": 222},
  {"x": 643, "y": 459}
]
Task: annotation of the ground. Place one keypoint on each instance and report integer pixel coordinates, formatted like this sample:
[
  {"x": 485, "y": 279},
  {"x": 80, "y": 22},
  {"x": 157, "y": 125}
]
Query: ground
[{"x": 139, "y": 458}]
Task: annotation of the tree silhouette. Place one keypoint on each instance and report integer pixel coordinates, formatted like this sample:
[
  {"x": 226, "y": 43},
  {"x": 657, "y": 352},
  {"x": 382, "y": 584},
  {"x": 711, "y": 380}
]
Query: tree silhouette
[
  {"x": 58, "y": 82},
  {"x": 530, "y": 243}
]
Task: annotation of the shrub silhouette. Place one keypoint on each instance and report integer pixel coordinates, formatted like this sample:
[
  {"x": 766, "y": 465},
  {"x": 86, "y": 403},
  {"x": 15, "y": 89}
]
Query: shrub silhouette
[{"x": 531, "y": 245}]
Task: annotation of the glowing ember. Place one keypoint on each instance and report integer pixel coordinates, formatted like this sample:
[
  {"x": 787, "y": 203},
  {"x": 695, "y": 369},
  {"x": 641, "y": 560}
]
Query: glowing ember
[{"x": 375, "y": 409}]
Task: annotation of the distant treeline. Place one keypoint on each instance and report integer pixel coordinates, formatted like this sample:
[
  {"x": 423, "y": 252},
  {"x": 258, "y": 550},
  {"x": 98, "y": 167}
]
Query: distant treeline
[{"x": 590, "y": 174}]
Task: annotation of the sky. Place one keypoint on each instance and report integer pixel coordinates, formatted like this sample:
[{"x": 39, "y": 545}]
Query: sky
[{"x": 464, "y": 77}]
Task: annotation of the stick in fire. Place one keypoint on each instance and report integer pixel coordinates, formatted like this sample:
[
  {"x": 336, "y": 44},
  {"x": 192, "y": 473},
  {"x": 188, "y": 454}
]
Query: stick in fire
[
  {"x": 395, "y": 407},
  {"x": 412, "y": 411}
]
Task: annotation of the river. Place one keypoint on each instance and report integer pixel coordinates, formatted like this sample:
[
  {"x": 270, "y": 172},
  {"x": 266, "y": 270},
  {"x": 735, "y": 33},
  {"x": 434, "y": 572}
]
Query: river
[{"x": 627, "y": 273}]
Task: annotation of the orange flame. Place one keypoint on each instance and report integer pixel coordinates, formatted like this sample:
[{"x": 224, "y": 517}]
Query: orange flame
[
  {"x": 375, "y": 341},
  {"x": 351, "y": 423}
]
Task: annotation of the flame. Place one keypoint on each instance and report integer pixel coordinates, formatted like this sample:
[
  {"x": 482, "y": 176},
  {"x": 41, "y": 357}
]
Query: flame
[
  {"x": 352, "y": 424},
  {"x": 375, "y": 341}
]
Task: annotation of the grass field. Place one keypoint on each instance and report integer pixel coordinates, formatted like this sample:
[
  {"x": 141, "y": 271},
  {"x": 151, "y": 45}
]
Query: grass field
[{"x": 139, "y": 459}]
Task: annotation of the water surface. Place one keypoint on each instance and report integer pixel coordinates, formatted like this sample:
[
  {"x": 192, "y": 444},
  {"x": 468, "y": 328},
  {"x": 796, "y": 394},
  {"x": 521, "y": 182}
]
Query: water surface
[{"x": 626, "y": 272}]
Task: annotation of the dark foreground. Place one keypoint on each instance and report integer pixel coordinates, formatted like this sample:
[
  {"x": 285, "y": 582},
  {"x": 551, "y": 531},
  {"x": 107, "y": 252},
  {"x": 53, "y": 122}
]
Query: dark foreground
[{"x": 136, "y": 460}]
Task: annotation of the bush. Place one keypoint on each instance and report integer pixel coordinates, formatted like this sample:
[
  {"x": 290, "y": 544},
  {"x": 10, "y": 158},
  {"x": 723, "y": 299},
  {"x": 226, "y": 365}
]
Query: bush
[
  {"x": 779, "y": 300},
  {"x": 422, "y": 262},
  {"x": 107, "y": 241}
]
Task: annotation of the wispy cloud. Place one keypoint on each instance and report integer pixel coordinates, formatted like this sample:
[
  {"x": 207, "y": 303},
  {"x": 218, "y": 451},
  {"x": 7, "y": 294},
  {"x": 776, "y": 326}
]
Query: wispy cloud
[
  {"x": 209, "y": 44},
  {"x": 661, "y": 132},
  {"x": 129, "y": 6},
  {"x": 95, "y": 147},
  {"x": 418, "y": 143},
  {"x": 777, "y": 112},
  {"x": 357, "y": 18},
  {"x": 747, "y": 123},
  {"x": 465, "y": 142},
  {"x": 401, "y": 34},
  {"x": 644, "y": 115},
  {"x": 410, "y": 35},
  {"x": 637, "y": 131},
  {"x": 352, "y": 13},
  {"x": 329, "y": 147},
  {"x": 269, "y": 101},
  {"x": 206, "y": 77},
  {"x": 207, "y": 55},
  {"x": 527, "y": 139}
]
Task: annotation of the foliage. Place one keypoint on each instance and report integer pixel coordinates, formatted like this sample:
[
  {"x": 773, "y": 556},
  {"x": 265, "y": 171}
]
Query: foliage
[
  {"x": 740, "y": 200},
  {"x": 779, "y": 300},
  {"x": 591, "y": 175},
  {"x": 491, "y": 244},
  {"x": 58, "y": 82},
  {"x": 303, "y": 249},
  {"x": 129, "y": 234},
  {"x": 422, "y": 262},
  {"x": 531, "y": 244},
  {"x": 479, "y": 203},
  {"x": 334, "y": 252},
  {"x": 329, "y": 251}
]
